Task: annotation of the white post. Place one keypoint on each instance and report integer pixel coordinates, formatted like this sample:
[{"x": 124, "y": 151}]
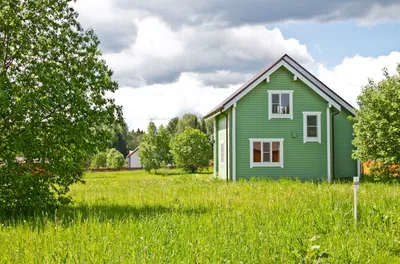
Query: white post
[{"x": 356, "y": 185}]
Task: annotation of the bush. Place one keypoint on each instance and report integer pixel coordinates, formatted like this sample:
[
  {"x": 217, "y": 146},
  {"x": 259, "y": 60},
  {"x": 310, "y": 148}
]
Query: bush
[
  {"x": 100, "y": 160},
  {"x": 191, "y": 150},
  {"x": 115, "y": 159}
]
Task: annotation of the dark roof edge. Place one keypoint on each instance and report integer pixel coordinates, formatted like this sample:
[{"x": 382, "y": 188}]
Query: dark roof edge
[{"x": 133, "y": 151}]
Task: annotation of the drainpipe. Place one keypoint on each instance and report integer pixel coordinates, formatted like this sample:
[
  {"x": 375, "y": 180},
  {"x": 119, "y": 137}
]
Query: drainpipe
[
  {"x": 226, "y": 143},
  {"x": 333, "y": 144}
]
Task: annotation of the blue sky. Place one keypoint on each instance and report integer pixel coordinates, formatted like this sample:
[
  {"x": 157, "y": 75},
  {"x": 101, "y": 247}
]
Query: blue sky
[
  {"x": 329, "y": 43},
  {"x": 172, "y": 57}
]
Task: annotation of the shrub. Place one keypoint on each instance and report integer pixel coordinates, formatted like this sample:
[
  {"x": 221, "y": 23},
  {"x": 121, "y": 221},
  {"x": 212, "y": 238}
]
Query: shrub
[
  {"x": 191, "y": 150},
  {"x": 100, "y": 160},
  {"x": 115, "y": 159}
]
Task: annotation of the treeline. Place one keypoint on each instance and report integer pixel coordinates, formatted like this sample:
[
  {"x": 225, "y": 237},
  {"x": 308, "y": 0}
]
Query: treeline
[{"x": 126, "y": 140}]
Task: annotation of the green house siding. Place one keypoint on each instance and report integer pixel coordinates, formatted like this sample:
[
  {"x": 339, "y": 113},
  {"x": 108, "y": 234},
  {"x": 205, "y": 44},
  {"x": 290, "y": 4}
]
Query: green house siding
[
  {"x": 344, "y": 165},
  {"x": 301, "y": 160}
]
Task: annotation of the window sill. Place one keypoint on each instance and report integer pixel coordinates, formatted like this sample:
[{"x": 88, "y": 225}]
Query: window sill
[
  {"x": 252, "y": 165},
  {"x": 280, "y": 116},
  {"x": 310, "y": 140}
]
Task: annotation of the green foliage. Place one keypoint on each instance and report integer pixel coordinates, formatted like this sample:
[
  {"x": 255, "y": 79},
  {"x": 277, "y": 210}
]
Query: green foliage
[
  {"x": 100, "y": 160},
  {"x": 208, "y": 221},
  {"x": 53, "y": 109},
  {"x": 115, "y": 159},
  {"x": 191, "y": 150},
  {"x": 172, "y": 126},
  {"x": 155, "y": 151},
  {"x": 134, "y": 139},
  {"x": 192, "y": 121},
  {"x": 377, "y": 125}
]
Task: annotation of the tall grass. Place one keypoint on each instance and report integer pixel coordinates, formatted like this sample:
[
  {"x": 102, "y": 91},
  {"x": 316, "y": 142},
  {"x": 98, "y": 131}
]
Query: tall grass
[{"x": 134, "y": 217}]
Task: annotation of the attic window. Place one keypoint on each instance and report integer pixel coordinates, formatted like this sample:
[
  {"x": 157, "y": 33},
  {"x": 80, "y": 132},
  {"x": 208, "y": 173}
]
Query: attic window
[{"x": 280, "y": 104}]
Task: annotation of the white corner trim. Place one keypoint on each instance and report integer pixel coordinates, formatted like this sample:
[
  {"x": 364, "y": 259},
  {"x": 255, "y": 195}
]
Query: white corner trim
[
  {"x": 215, "y": 146},
  {"x": 293, "y": 70},
  {"x": 267, "y": 79},
  {"x": 234, "y": 142},
  {"x": 328, "y": 142},
  {"x": 294, "y": 77},
  {"x": 313, "y": 139},
  {"x": 266, "y": 164},
  {"x": 270, "y": 114},
  {"x": 222, "y": 164}
]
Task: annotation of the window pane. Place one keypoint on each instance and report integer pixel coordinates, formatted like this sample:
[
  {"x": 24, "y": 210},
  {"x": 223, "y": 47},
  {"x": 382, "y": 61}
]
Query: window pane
[
  {"x": 266, "y": 147},
  {"x": 275, "y": 98},
  {"x": 285, "y": 104},
  {"x": 256, "y": 151},
  {"x": 312, "y": 132},
  {"x": 276, "y": 151},
  {"x": 311, "y": 120},
  {"x": 266, "y": 157},
  {"x": 275, "y": 108},
  {"x": 266, "y": 152}
]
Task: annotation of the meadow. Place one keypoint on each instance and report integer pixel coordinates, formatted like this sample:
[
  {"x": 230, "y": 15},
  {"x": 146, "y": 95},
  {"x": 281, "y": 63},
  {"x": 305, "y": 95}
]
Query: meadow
[{"x": 136, "y": 217}]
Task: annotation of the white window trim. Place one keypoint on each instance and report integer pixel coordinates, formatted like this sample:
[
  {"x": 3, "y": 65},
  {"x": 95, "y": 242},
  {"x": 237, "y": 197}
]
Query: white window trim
[
  {"x": 270, "y": 114},
  {"x": 266, "y": 164},
  {"x": 222, "y": 142},
  {"x": 312, "y": 139}
]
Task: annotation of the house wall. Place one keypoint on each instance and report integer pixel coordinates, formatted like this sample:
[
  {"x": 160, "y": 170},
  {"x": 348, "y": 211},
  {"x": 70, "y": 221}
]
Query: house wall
[
  {"x": 134, "y": 160},
  {"x": 344, "y": 165},
  {"x": 301, "y": 160}
]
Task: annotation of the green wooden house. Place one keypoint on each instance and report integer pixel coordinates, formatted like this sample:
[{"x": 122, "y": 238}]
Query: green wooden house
[{"x": 283, "y": 122}]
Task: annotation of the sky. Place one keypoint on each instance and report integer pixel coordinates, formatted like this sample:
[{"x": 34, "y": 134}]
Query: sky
[{"x": 172, "y": 57}]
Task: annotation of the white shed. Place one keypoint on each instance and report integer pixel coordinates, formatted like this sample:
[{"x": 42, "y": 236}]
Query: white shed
[{"x": 133, "y": 159}]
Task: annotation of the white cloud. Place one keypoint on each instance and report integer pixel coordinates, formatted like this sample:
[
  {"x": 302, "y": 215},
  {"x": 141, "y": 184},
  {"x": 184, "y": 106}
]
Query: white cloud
[
  {"x": 160, "y": 54},
  {"x": 347, "y": 78},
  {"x": 161, "y": 102}
]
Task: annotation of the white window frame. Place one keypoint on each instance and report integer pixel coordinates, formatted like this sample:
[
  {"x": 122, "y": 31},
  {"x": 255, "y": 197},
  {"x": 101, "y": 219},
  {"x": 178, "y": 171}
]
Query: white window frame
[
  {"x": 270, "y": 93},
  {"x": 222, "y": 150},
  {"x": 312, "y": 139},
  {"x": 266, "y": 164}
]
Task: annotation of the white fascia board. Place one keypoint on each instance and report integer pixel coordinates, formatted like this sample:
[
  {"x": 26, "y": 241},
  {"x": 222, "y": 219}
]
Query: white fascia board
[
  {"x": 212, "y": 117},
  {"x": 323, "y": 88},
  {"x": 293, "y": 71}
]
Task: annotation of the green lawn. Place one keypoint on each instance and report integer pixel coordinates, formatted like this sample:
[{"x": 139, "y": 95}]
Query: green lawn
[{"x": 134, "y": 217}]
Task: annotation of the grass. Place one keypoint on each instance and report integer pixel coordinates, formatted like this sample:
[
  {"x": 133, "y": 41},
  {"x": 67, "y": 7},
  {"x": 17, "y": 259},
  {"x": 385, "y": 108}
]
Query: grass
[{"x": 134, "y": 217}]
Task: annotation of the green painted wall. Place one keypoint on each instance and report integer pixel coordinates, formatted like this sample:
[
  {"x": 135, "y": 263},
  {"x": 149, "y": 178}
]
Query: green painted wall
[
  {"x": 344, "y": 165},
  {"x": 301, "y": 160}
]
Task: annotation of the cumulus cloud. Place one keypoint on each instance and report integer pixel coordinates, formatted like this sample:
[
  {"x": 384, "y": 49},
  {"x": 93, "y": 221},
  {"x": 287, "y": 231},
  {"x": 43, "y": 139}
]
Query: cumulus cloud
[
  {"x": 266, "y": 11},
  {"x": 161, "y": 102},
  {"x": 347, "y": 78},
  {"x": 160, "y": 54}
]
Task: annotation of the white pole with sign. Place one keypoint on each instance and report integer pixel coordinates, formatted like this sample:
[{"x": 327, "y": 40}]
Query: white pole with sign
[{"x": 356, "y": 185}]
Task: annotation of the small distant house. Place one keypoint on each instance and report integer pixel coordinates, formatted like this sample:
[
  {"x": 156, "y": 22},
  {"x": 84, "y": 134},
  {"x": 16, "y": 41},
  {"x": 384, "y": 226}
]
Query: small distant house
[
  {"x": 133, "y": 159},
  {"x": 283, "y": 122}
]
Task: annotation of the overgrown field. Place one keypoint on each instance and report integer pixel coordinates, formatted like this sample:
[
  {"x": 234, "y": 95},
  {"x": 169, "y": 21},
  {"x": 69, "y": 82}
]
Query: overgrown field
[{"x": 134, "y": 217}]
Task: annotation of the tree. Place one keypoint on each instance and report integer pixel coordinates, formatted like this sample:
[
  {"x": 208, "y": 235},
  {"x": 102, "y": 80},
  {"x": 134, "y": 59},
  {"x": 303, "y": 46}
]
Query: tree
[
  {"x": 53, "y": 109},
  {"x": 190, "y": 120},
  {"x": 377, "y": 125},
  {"x": 100, "y": 160},
  {"x": 134, "y": 139},
  {"x": 115, "y": 159},
  {"x": 172, "y": 126},
  {"x": 191, "y": 149},
  {"x": 155, "y": 149}
]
